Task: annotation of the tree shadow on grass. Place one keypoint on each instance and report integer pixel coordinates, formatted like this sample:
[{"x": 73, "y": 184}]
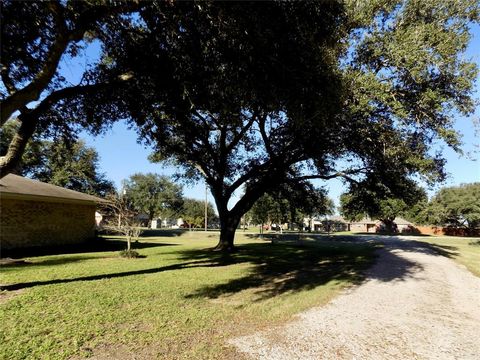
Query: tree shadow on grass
[
  {"x": 282, "y": 268},
  {"x": 277, "y": 268},
  {"x": 163, "y": 232},
  {"x": 93, "y": 246},
  {"x": 178, "y": 266},
  {"x": 289, "y": 265}
]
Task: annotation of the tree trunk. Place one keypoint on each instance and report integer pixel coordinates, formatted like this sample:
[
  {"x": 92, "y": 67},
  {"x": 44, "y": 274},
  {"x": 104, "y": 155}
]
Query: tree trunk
[
  {"x": 13, "y": 157},
  {"x": 227, "y": 234},
  {"x": 390, "y": 226}
]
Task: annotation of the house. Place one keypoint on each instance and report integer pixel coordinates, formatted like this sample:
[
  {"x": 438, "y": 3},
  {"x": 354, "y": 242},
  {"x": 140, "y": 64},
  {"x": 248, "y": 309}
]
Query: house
[
  {"x": 338, "y": 223},
  {"x": 33, "y": 213},
  {"x": 371, "y": 226},
  {"x": 171, "y": 223},
  {"x": 403, "y": 226},
  {"x": 364, "y": 225},
  {"x": 330, "y": 224}
]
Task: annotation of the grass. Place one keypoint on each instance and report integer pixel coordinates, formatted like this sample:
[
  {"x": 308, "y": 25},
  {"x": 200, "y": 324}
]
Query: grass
[
  {"x": 465, "y": 251},
  {"x": 178, "y": 302}
]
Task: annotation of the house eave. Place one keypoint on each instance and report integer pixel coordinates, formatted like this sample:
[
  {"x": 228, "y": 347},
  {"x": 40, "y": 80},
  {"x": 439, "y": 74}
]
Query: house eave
[{"x": 41, "y": 198}]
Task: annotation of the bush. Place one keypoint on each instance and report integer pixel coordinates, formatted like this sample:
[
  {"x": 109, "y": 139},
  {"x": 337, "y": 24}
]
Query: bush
[{"x": 129, "y": 254}]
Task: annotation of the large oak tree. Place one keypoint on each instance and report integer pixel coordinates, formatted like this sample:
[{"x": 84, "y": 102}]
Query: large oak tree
[{"x": 252, "y": 95}]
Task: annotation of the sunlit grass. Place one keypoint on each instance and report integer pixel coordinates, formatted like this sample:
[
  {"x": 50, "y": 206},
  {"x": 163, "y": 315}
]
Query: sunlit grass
[
  {"x": 465, "y": 251},
  {"x": 180, "y": 301}
]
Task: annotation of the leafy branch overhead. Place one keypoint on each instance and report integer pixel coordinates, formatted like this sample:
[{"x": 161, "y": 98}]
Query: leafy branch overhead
[{"x": 36, "y": 36}]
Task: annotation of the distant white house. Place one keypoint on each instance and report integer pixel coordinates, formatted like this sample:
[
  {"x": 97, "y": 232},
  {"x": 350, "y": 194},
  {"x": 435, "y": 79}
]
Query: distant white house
[{"x": 167, "y": 223}]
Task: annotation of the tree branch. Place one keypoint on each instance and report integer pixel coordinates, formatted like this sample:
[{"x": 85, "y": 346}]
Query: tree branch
[
  {"x": 343, "y": 174},
  {"x": 7, "y": 81},
  {"x": 29, "y": 121},
  {"x": 241, "y": 133},
  {"x": 31, "y": 92},
  {"x": 266, "y": 140},
  {"x": 12, "y": 158}
]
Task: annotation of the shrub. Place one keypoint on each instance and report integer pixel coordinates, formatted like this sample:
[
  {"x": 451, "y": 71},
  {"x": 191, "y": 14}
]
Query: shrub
[{"x": 129, "y": 254}]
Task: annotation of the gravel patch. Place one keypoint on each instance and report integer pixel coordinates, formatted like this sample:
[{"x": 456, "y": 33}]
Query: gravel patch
[{"x": 415, "y": 304}]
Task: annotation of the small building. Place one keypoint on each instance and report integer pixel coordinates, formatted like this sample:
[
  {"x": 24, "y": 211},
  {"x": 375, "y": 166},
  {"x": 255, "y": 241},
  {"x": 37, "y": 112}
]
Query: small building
[
  {"x": 326, "y": 224},
  {"x": 338, "y": 223},
  {"x": 364, "y": 225},
  {"x": 402, "y": 225},
  {"x": 33, "y": 213}
]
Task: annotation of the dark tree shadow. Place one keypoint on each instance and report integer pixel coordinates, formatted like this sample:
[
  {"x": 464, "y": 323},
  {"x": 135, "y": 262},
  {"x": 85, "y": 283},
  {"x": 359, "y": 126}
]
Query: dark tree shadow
[
  {"x": 280, "y": 268},
  {"x": 92, "y": 246},
  {"x": 178, "y": 266},
  {"x": 411, "y": 245},
  {"x": 163, "y": 232},
  {"x": 392, "y": 267},
  {"x": 277, "y": 268},
  {"x": 288, "y": 264}
]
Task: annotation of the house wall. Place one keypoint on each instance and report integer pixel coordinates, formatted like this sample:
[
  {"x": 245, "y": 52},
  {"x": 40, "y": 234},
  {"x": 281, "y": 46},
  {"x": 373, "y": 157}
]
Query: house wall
[
  {"x": 27, "y": 223},
  {"x": 363, "y": 227}
]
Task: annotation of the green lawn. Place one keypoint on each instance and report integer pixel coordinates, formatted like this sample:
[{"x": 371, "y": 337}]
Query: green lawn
[
  {"x": 465, "y": 251},
  {"x": 179, "y": 302}
]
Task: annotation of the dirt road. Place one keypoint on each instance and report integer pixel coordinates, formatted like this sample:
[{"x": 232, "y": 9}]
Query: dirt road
[{"x": 415, "y": 304}]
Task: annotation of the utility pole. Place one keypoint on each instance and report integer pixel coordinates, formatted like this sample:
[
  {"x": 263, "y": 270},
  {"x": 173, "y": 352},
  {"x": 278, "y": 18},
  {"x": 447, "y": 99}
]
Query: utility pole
[{"x": 206, "y": 202}]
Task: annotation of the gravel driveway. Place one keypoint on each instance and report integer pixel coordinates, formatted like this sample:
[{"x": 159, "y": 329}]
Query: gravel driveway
[{"x": 415, "y": 304}]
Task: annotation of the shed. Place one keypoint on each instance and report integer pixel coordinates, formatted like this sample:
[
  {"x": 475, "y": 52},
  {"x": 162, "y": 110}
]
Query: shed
[{"x": 33, "y": 213}]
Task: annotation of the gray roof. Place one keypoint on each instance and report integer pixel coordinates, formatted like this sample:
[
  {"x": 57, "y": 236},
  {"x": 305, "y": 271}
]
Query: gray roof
[
  {"x": 14, "y": 186},
  {"x": 365, "y": 220}
]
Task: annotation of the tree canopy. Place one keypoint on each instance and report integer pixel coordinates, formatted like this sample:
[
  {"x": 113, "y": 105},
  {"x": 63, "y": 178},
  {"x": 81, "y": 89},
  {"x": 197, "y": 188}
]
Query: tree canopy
[
  {"x": 379, "y": 202},
  {"x": 193, "y": 213},
  {"x": 260, "y": 85},
  {"x": 36, "y": 36},
  {"x": 154, "y": 195},
  {"x": 457, "y": 206}
]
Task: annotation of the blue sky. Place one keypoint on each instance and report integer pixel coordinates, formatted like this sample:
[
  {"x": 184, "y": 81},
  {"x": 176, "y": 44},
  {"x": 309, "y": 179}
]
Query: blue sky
[{"x": 121, "y": 155}]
